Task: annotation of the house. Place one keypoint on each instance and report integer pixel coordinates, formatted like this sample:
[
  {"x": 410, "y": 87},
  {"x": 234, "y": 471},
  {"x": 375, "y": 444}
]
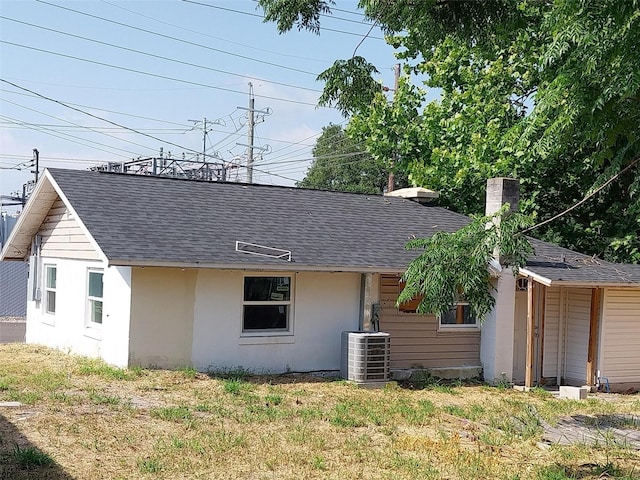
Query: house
[{"x": 166, "y": 272}]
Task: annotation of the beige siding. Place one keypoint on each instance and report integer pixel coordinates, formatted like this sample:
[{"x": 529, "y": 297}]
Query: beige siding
[
  {"x": 551, "y": 329},
  {"x": 620, "y": 340},
  {"x": 415, "y": 339},
  {"x": 577, "y": 338},
  {"x": 62, "y": 236}
]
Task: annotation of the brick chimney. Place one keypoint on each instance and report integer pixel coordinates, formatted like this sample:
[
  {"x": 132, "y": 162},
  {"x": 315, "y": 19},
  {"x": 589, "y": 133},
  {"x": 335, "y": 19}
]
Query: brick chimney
[
  {"x": 502, "y": 190},
  {"x": 496, "y": 340}
]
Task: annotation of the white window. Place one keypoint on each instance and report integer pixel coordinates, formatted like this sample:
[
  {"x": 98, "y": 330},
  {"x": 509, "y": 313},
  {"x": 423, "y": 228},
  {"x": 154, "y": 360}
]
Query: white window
[
  {"x": 50, "y": 280},
  {"x": 94, "y": 298},
  {"x": 266, "y": 304},
  {"x": 460, "y": 316}
]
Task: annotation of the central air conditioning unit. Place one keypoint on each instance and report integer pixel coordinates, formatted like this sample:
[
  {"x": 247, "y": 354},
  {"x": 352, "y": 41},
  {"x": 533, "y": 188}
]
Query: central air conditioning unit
[{"x": 365, "y": 356}]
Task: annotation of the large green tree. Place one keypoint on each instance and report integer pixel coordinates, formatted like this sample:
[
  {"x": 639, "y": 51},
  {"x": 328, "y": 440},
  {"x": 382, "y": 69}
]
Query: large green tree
[
  {"x": 546, "y": 91},
  {"x": 340, "y": 164}
]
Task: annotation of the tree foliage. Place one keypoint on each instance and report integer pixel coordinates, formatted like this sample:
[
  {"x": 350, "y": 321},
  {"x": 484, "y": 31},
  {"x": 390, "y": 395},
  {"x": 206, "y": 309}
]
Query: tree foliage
[
  {"x": 455, "y": 264},
  {"x": 545, "y": 91},
  {"x": 338, "y": 166}
]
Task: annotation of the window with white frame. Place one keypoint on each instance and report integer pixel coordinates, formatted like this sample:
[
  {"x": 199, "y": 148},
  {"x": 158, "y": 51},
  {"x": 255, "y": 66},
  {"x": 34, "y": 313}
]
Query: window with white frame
[
  {"x": 50, "y": 282},
  {"x": 266, "y": 304},
  {"x": 94, "y": 297},
  {"x": 460, "y": 316}
]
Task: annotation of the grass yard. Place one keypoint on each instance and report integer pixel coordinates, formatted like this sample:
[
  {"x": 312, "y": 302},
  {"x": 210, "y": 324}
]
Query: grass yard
[{"x": 82, "y": 419}]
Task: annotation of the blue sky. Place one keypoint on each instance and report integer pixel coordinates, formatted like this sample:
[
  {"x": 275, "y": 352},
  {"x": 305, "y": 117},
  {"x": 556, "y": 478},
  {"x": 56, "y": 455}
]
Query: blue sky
[{"x": 159, "y": 96}]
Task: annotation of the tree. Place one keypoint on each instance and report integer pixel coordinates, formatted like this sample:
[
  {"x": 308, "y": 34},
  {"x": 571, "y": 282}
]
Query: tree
[
  {"x": 455, "y": 264},
  {"x": 546, "y": 91},
  {"x": 340, "y": 165}
]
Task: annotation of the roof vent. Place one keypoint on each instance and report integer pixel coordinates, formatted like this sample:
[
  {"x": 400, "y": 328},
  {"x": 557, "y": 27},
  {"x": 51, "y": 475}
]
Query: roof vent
[
  {"x": 417, "y": 194},
  {"x": 263, "y": 251}
]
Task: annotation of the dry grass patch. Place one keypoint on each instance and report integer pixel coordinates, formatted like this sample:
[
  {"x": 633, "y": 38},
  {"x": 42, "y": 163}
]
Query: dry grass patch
[{"x": 94, "y": 421}]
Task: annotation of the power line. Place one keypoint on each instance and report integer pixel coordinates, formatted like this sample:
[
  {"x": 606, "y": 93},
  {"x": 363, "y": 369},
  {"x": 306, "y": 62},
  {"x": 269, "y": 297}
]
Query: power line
[
  {"x": 138, "y": 29},
  {"x": 262, "y": 17},
  {"x": 216, "y": 38},
  {"x": 97, "y": 117},
  {"x": 155, "y": 75},
  {"x": 75, "y": 124},
  {"x": 576, "y": 205},
  {"x": 64, "y": 136},
  {"x": 161, "y": 57},
  {"x": 183, "y": 125}
]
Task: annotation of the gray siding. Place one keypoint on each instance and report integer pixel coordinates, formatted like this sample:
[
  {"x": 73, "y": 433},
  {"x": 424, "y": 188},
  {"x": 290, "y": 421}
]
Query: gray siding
[
  {"x": 13, "y": 289},
  {"x": 13, "y": 278}
]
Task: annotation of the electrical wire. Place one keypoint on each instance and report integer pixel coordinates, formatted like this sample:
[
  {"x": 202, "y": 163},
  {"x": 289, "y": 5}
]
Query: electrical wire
[
  {"x": 155, "y": 75},
  {"x": 152, "y": 55},
  {"x": 74, "y": 124},
  {"x": 183, "y": 125},
  {"x": 97, "y": 117},
  {"x": 587, "y": 197},
  {"x": 273, "y": 52},
  {"x": 65, "y": 136},
  {"x": 138, "y": 29},
  {"x": 262, "y": 17}
]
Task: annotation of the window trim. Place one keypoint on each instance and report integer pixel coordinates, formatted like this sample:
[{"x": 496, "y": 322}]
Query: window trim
[
  {"x": 89, "y": 323},
  {"x": 46, "y": 289},
  {"x": 269, "y": 332},
  {"x": 459, "y": 326}
]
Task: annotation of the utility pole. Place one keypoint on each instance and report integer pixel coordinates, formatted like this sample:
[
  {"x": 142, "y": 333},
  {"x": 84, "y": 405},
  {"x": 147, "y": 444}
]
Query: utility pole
[
  {"x": 251, "y": 124},
  {"x": 391, "y": 181},
  {"x": 36, "y": 159},
  {"x": 252, "y": 103}
]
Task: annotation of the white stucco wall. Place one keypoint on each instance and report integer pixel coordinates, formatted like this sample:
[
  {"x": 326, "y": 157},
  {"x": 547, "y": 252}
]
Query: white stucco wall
[
  {"x": 67, "y": 328},
  {"x": 324, "y": 304},
  {"x": 496, "y": 340},
  {"x": 162, "y": 304}
]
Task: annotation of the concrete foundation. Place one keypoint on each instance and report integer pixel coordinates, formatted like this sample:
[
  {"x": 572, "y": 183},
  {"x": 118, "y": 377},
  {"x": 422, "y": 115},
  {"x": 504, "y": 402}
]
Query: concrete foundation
[{"x": 446, "y": 373}]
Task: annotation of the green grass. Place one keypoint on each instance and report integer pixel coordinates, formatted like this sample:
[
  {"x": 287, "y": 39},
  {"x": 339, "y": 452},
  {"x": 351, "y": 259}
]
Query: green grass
[
  {"x": 101, "y": 422},
  {"x": 172, "y": 414},
  {"x": 30, "y": 458},
  {"x": 90, "y": 366}
]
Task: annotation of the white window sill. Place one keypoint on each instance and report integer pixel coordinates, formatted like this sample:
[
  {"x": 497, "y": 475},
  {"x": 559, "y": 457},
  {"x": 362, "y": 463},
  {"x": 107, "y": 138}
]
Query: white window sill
[
  {"x": 49, "y": 320},
  {"x": 266, "y": 340},
  {"x": 94, "y": 333}
]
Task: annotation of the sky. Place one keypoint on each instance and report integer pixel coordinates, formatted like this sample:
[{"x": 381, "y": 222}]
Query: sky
[{"x": 95, "y": 81}]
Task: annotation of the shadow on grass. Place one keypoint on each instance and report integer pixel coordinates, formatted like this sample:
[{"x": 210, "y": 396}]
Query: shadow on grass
[
  {"x": 21, "y": 460},
  {"x": 584, "y": 471},
  {"x": 277, "y": 379}
]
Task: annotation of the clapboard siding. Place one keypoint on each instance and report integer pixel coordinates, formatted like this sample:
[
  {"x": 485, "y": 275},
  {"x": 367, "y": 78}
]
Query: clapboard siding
[
  {"x": 62, "y": 236},
  {"x": 415, "y": 339},
  {"x": 577, "y": 339},
  {"x": 551, "y": 329},
  {"x": 621, "y": 336}
]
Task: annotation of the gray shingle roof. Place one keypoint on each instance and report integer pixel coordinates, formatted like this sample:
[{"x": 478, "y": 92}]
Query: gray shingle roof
[{"x": 139, "y": 219}]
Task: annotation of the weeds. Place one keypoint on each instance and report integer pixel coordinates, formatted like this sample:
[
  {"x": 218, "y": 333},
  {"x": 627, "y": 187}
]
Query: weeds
[
  {"x": 149, "y": 465},
  {"x": 30, "y": 458},
  {"x": 172, "y": 414}
]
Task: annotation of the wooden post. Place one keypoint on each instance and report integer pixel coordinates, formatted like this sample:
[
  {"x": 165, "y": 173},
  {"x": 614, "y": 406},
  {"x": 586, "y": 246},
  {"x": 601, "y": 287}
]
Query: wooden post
[
  {"x": 594, "y": 318},
  {"x": 528, "y": 376},
  {"x": 542, "y": 290}
]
